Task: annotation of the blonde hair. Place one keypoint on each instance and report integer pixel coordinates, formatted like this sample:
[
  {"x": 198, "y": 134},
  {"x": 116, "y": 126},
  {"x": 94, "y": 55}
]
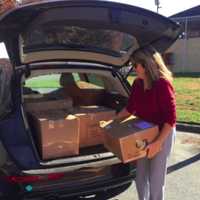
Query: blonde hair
[{"x": 153, "y": 63}]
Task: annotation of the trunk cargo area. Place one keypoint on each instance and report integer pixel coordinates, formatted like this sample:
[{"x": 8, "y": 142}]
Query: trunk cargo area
[{"x": 70, "y": 126}]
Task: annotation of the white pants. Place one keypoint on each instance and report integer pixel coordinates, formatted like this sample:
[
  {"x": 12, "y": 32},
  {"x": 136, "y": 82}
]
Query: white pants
[{"x": 150, "y": 176}]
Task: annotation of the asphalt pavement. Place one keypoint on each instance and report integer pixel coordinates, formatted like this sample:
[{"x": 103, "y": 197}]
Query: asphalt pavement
[{"x": 183, "y": 178}]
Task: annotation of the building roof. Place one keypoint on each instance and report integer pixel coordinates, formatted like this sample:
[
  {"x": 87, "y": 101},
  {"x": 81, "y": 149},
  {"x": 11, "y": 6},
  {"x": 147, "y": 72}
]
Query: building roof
[{"x": 195, "y": 11}]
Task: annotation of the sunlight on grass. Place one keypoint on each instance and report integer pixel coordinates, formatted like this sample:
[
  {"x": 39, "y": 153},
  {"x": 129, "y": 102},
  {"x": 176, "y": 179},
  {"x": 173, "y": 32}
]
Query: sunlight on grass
[
  {"x": 188, "y": 99},
  {"x": 44, "y": 81}
]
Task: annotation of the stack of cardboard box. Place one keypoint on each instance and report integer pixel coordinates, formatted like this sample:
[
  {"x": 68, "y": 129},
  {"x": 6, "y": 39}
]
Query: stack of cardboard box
[
  {"x": 57, "y": 132},
  {"x": 62, "y": 130}
]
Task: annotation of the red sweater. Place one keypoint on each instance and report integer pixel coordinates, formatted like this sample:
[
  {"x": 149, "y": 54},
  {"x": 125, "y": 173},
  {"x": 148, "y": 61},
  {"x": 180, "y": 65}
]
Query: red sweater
[{"x": 156, "y": 105}]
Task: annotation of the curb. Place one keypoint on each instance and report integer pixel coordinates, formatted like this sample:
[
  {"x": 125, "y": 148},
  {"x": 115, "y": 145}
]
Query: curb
[{"x": 194, "y": 128}]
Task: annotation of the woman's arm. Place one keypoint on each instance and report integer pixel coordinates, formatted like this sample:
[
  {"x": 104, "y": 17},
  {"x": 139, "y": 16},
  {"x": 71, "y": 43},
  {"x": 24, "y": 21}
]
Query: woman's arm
[
  {"x": 164, "y": 133},
  {"x": 167, "y": 105},
  {"x": 156, "y": 146}
]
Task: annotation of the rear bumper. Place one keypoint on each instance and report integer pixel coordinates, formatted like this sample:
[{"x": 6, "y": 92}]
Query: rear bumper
[{"x": 80, "y": 190}]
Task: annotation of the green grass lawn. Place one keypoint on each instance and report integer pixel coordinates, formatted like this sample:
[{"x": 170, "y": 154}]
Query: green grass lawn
[
  {"x": 187, "y": 98},
  {"x": 45, "y": 81}
]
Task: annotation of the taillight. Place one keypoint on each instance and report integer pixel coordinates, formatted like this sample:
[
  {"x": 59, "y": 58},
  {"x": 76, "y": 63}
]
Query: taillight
[
  {"x": 36, "y": 178},
  {"x": 55, "y": 176},
  {"x": 23, "y": 179}
]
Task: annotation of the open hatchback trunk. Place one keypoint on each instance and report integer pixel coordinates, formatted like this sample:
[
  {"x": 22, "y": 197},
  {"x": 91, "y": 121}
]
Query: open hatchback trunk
[
  {"x": 53, "y": 135},
  {"x": 94, "y": 31}
]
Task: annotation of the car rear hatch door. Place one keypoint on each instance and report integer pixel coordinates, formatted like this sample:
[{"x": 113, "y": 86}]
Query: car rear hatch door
[{"x": 82, "y": 30}]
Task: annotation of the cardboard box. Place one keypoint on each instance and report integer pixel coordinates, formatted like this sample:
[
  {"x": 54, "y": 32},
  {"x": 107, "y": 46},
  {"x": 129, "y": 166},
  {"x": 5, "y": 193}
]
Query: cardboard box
[
  {"x": 41, "y": 105},
  {"x": 90, "y": 116},
  {"x": 128, "y": 137},
  {"x": 58, "y": 133}
]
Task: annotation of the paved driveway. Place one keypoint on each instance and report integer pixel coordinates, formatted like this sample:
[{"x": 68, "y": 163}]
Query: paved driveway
[{"x": 183, "y": 179}]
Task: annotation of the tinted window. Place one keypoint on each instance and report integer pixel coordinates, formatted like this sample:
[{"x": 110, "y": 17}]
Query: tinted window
[
  {"x": 44, "y": 84},
  {"x": 96, "y": 80},
  {"x": 74, "y": 37}
]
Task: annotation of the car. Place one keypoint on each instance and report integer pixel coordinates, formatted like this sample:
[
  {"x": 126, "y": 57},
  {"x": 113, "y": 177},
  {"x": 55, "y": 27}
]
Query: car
[{"x": 91, "y": 41}]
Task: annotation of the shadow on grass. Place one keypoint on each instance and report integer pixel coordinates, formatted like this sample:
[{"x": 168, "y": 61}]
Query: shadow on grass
[{"x": 184, "y": 163}]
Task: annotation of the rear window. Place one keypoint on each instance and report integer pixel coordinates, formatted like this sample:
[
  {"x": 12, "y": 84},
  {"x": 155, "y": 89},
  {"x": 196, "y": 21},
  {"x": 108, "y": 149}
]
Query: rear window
[
  {"x": 45, "y": 84},
  {"x": 59, "y": 36}
]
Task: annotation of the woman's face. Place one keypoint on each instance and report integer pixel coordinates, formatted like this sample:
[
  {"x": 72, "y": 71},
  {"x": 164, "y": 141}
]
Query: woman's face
[{"x": 140, "y": 71}]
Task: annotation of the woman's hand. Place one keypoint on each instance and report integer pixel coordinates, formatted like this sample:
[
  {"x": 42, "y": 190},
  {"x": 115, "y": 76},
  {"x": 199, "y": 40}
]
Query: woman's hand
[{"x": 153, "y": 149}]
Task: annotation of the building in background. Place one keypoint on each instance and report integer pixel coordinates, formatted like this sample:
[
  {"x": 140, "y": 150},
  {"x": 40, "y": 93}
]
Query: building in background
[{"x": 184, "y": 54}]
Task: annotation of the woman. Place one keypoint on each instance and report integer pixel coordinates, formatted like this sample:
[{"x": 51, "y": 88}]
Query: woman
[{"x": 152, "y": 99}]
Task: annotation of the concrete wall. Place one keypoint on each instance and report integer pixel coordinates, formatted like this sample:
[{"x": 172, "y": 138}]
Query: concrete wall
[{"x": 186, "y": 55}]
